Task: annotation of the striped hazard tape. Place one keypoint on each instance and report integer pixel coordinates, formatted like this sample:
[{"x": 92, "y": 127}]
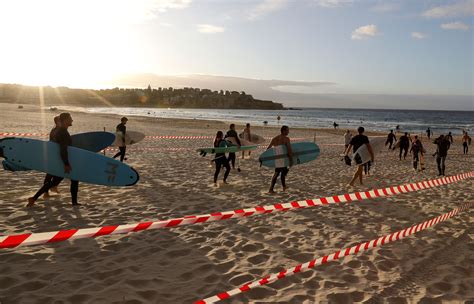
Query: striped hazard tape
[
  {"x": 337, "y": 255},
  {"x": 12, "y": 241}
]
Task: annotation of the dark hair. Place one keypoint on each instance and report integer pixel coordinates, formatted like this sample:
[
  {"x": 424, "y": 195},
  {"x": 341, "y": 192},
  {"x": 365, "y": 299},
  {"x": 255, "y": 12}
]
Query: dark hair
[
  {"x": 231, "y": 126},
  {"x": 247, "y": 125},
  {"x": 219, "y": 135},
  {"x": 360, "y": 129},
  {"x": 406, "y": 133},
  {"x": 284, "y": 128},
  {"x": 123, "y": 119},
  {"x": 56, "y": 119},
  {"x": 64, "y": 116}
]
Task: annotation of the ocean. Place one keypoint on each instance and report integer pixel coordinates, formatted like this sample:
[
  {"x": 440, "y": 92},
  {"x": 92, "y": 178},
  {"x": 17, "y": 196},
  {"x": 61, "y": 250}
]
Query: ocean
[{"x": 412, "y": 121}]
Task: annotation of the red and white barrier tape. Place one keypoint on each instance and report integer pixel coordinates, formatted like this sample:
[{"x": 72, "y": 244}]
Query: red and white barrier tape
[
  {"x": 335, "y": 256},
  {"x": 63, "y": 235},
  {"x": 22, "y": 134}
]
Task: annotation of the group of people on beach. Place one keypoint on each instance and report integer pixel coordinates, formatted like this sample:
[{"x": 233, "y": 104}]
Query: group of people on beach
[
  {"x": 60, "y": 135},
  {"x": 221, "y": 160}
]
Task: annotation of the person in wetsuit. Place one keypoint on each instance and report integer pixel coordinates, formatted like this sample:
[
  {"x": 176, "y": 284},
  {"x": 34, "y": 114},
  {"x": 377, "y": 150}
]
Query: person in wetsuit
[
  {"x": 404, "y": 145},
  {"x": 443, "y": 146},
  {"x": 391, "y": 138},
  {"x": 357, "y": 142},
  {"x": 416, "y": 150},
  {"x": 281, "y": 139},
  {"x": 121, "y": 129},
  {"x": 220, "y": 159},
  {"x": 63, "y": 138},
  {"x": 466, "y": 141},
  {"x": 232, "y": 133}
]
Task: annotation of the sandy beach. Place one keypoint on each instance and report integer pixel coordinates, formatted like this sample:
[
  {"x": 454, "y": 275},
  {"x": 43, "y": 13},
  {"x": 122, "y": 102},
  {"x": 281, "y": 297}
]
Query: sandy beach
[{"x": 185, "y": 264}]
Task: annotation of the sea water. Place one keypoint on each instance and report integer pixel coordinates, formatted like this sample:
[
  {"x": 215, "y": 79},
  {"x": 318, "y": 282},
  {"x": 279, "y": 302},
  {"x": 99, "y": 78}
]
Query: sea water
[{"x": 412, "y": 121}]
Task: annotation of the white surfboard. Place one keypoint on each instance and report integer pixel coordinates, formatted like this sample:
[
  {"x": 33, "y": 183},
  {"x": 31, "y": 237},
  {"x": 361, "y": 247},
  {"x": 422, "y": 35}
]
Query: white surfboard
[
  {"x": 131, "y": 137},
  {"x": 361, "y": 156}
]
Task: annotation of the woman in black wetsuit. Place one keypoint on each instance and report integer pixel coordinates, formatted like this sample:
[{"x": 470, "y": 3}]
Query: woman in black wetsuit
[{"x": 220, "y": 158}]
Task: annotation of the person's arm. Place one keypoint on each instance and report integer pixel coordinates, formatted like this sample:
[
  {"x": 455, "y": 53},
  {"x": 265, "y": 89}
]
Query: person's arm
[
  {"x": 271, "y": 144},
  {"x": 63, "y": 145},
  {"x": 237, "y": 138}
]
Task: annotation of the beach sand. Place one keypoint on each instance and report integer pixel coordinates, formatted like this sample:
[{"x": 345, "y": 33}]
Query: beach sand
[{"x": 185, "y": 264}]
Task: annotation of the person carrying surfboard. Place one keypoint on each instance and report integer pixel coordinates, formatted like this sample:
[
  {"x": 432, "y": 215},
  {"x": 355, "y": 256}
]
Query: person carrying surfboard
[
  {"x": 220, "y": 159},
  {"x": 281, "y": 139},
  {"x": 63, "y": 138},
  {"x": 247, "y": 136},
  {"x": 121, "y": 129},
  {"x": 391, "y": 138},
  {"x": 417, "y": 151},
  {"x": 229, "y": 134},
  {"x": 357, "y": 142},
  {"x": 48, "y": 176}
]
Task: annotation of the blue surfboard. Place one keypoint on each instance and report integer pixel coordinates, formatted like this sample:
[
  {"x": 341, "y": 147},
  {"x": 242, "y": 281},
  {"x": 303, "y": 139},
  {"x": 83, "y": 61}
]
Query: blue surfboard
[
  {"x": 90, "y": 141},
  {"x": 277, "y": 157},
  {"x": 86, "y": 166}
]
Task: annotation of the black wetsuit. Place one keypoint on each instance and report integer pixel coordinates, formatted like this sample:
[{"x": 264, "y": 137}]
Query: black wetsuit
[
  {"x": 416, "y": 149},
  {"x": 404, "y": 145},
  {"x": 123, "y": 129},
  {"x": 48, "y": 176},
  {"x": 391, "y": 138},
  {"x": 220, "y": 161},
  {"x": 63, "y": 138},
  {"x": 442, "y": 153},
  {"x": 232, "y": 133}
]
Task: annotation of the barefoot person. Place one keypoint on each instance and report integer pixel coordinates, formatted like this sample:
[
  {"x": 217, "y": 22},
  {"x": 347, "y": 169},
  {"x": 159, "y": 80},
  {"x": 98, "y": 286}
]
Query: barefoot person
[
  {"x": 122, "y": 130},
  {"x": 357, "y": 142},
  {"x": 229, "y": 134},
  {"x": 281, "y": 139},
  {"x": 220, "y": 159},
  {"x": 63, "y": 138},
  {"x": 247, "y": 136}
]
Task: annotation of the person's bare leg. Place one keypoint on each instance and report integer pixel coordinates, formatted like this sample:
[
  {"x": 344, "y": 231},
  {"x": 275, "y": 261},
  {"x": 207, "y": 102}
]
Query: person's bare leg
[{"x": 356, "y": 175}]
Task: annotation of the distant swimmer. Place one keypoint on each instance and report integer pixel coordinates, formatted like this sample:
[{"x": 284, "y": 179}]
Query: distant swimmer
[
  {"x": 404, "y": 145},
  {"x": 278, "y": 119},
  {"x": 443, "y": 146},
  {"x": 121, "y": 130},
  {"x": 278, "y": 140},
  {"x": 391, "y": 138},
  {"x": 417, "y": 151},
  {"x": 220, "y": 159},
  {"x": 229, "y": 134},
  {"x": 335, "y": 125},
  {"x": 429, "y": 133},
  {"x": 63, "y": 138},
  {"x": 397, "y": 128},
  {"x": 357, "y": 142},
  {"x": 466, "y": 141}
]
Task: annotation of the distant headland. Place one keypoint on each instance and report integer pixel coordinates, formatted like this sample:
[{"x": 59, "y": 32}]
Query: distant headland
[{"x": 134, "y": 97}]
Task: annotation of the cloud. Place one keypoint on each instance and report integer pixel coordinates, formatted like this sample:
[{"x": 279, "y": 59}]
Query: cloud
[
  {"x": 455, "y": 26},
  {"x": 418, "y": 35},
  {"x": 462, "y": 8},
  {"x": 385, "y": 7},
  {"x": 209, "y": 29},
  {"x": 266, "y": 7},
  {"x": 333, "y": 3},
  {"x": 365, "y": 32}
]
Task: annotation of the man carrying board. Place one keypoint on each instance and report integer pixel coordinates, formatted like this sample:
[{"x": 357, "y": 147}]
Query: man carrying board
[
  {"x": 121, "y": 130},
  {"x": 281, "y": 139},
  {"x": 357, "y": 142},
  {"x": 63, "y": 138}
]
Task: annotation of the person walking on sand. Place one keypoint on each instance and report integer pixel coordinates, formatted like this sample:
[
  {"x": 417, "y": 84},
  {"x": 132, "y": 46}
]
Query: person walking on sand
[
  {"x": 404, "y": 145},
  {"x": 416, "y": 150},
  {"x": 279, "y": 140},
  {"x": 220, "y": 159},
  {"x": 63, "y": 138},
  {"x": 443, "y": 146},
  {"x": 466, "y": 141},
  {"x": 357, "y": 142},
  {"x": 229, "y": 134},
  {"x": 121, "y": 131},
  {"x": 347, "y": 139},
  {"x": 391, "y": 138},
  {"x": 335, "y": 125},
  {"x": 450, "y": 137},
  {"x": 246, "y": 134},
  {"x": 428, "y": 133}
]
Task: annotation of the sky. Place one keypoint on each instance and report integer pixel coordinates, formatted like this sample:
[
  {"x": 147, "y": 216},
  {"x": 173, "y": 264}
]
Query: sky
[{"x": 406, "y": 47}]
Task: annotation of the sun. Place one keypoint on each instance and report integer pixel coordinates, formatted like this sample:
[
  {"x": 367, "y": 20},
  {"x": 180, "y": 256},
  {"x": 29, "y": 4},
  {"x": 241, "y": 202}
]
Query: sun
[{"x": 66, "y": 43}]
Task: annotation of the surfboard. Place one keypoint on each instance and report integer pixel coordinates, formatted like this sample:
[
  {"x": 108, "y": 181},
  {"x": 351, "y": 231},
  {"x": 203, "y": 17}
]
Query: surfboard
[
  {"x": 361, "y": 156},
  {"x": 254, "y": 138},
  {"x": 131, "y": 137},
  {"x": 422, "y": 161},
  {"x": 90, "y": 141},
  {"x": 277, "y": 157},
  {"x": 243, "y": 142},
  {"x": 231, "y": 149},
  {"x": 86, "y": 166}
]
